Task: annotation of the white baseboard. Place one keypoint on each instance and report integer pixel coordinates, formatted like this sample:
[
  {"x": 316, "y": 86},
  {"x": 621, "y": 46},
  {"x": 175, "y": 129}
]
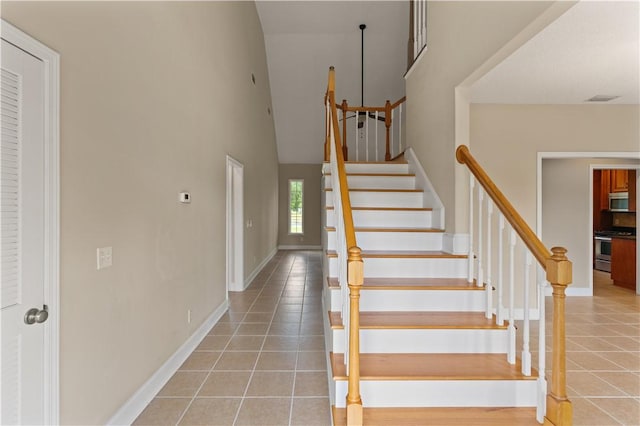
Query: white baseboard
[
  {"x": 144, "y": 395},
  {"x": 455, "y": 243},
  {"x": 258, "y": 268},
  {"x": 299, "y": 247}
]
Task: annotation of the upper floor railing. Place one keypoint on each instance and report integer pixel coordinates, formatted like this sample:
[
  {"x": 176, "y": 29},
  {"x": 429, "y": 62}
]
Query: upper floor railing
[
  {"x": 373, "y": 133},
  {"x": 495, "y": 258},
  {"x": 417, "y": 30}
]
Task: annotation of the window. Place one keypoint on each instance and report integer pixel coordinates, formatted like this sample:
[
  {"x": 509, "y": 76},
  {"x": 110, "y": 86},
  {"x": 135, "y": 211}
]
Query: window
[{"x": 296, "y": 207}]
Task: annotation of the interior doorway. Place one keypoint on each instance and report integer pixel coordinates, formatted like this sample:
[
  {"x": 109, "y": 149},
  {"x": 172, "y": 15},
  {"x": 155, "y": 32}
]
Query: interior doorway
[
  {"x": 235, "y": 221},
  {"x": 30, "y": 228},
  {"x": 565, "y": 197}
]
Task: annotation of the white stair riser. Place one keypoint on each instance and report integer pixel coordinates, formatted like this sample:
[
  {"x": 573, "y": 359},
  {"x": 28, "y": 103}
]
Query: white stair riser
[
  {"x": 494, "y": 341},
  {"x": 376, "y": 182},
  {"x": 381, "y": 199},
  {"x": 415, "y": 300},
  {"x": 389, "y": 168},
  {"x": 393, "y": 240},
  {"x": 409, "y": 267},
  {"x": 442, "y": 393},
  {"x": 386, "y": 218}
]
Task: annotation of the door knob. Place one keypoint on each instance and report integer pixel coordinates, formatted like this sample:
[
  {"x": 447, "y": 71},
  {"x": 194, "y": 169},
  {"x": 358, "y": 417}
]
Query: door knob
[{"x": 35, "y": 315}]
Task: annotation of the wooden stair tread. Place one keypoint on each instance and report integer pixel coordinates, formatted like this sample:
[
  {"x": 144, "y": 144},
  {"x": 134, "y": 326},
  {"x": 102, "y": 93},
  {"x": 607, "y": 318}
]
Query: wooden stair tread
[
  {"x": 398, "y": 161},
  {"x": 377, "y": 229},
  {"x": 442, "y": 416},
  {"x": 379, "y": 174},
  {"x": 404, "y": 254},
  {"x": 379, "y": 190},
  {"x": 412, "y": 284},
  {"x": 436, "y": 366},
  {"x": 420, "y": 320},
  {"x": 395, "y": 209}
]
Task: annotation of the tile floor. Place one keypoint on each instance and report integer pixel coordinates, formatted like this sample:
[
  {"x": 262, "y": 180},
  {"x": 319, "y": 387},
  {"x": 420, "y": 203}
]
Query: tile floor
[
  {"x": 264, "y": 362},
  {"x": 603, "y": 355}
]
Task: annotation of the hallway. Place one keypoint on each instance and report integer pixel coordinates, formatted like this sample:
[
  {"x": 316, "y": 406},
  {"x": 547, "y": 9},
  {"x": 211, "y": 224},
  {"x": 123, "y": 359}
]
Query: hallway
[{"x": 263, "y": 363}]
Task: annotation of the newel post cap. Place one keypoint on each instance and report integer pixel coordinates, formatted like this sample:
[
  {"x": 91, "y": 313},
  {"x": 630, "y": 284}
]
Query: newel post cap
[{"x": 559, "y": 267}]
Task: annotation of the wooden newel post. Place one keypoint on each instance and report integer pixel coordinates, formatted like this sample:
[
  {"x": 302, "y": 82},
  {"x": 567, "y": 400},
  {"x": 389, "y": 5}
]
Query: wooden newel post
[
  {"x": 345, "y": 150},
  {"x": 387, "y": 124},
  {"x": 355, "y": 278},
  {"x": 559, "y": 274}
]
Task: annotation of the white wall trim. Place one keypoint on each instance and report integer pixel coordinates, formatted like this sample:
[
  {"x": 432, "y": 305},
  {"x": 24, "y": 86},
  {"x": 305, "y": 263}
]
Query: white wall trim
[
  {"x": 258, "y": 268},
  {"x": 455, "y": 243},
  {"x": 431, "y": 198},
  {"x": 421, "y": 55},
  {"x": 582, "y": 291},
  {"x": 299, "y": 247},
  {"x": 145, "y": 394},
  {"x": 51, "y": 61},
  {"x": 234, "y": 224}
]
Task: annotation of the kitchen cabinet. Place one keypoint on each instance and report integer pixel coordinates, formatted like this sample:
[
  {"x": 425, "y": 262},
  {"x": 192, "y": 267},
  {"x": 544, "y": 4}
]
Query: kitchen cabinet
[
  {"x": 619, "y": 180},
  {"x": 623, "y": 262}
]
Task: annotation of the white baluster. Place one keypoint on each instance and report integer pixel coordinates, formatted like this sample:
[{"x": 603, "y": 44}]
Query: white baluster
[
  {"x": 480, "y": 279},
  {"x": 416, "y": 27},
  {"x": 489, "y": 287},
  {"x": 377, "y": 112},
  {"x": 542, "y": 381},
  {"x": 393, "y": 125},
  {"x": 400, "y": 129},
  {"x": 526, "y": 353},
  {"x": 470, "y": 255},
  {"x": 356, "y": 139},
  {"x": 511, "y": 355},
  {"x": 366, "y": 137},
  {"x": 499, "y": 313},
  {"x": 423, "y": 42}
]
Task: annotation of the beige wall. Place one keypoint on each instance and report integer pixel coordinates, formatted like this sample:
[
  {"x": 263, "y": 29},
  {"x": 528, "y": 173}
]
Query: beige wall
[
  {"x": 461, "y": 36},
  {"x": 566, "y": 210},
  {"x": 153, "y": 95},
  {"x": 312, "y": 175},
  {"x": 506, "y": 140}
]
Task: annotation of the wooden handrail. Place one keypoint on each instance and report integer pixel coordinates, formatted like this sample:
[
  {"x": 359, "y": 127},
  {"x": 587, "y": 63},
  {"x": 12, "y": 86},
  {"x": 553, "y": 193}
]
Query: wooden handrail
[
  {"x": 355, "y": 265},
  {"x": 537, "y": 248},
  {"x": 559, "y": 274}
]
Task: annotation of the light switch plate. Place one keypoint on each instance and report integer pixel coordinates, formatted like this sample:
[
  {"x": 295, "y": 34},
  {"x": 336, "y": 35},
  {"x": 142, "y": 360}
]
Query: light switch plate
[{"x": 104, "y": 257}]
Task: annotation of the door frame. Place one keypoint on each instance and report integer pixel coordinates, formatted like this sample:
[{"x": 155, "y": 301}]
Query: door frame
[
  {"x": 595, "y": 156},
  {"x": 51, "y": 61},
  {"x": 235, "y": 225}
]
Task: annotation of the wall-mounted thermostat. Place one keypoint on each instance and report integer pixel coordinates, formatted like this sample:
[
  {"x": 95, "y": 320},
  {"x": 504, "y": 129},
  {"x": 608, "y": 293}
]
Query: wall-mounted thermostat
[{"x": 185, "y": 197}]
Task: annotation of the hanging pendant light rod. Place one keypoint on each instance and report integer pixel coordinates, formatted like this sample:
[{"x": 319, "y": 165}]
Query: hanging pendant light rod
[{"x": 362, "y": 27}]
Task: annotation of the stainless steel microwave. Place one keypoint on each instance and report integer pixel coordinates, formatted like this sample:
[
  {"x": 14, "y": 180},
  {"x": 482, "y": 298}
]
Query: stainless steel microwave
[{"x": 619, "y": 201}]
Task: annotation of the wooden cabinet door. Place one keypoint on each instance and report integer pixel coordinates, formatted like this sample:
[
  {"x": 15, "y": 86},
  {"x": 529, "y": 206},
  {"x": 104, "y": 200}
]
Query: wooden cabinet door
[
  {"x": 623, "y": 262},
  {"x": 605, "y": 188},
  {"x": 619, "y": 180}
]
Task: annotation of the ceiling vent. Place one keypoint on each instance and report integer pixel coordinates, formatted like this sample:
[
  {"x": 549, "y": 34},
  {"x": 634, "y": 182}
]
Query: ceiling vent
[{"x": 602, "y": 98}]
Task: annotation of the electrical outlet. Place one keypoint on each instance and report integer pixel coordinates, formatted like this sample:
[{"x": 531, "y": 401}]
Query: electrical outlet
[
  {"x": 188, "y": 316},
  {"x": 104, "y": 257}
]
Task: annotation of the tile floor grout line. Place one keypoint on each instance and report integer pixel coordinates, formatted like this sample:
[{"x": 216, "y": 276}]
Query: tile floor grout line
[
  {"x": 235, "y": 333},
  {"x": 246, "y": 389}
]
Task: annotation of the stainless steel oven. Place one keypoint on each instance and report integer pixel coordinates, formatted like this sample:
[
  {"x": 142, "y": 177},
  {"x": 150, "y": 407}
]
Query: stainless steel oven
[{"x": 603, "y": 253}]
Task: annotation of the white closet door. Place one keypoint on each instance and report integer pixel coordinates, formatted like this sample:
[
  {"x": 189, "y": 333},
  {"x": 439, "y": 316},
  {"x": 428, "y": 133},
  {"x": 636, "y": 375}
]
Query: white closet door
[{"x": 22, "y": 160}]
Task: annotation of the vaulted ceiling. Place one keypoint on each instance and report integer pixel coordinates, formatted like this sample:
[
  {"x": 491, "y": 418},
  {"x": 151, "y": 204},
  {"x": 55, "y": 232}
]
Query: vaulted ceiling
[
  {"x": 304, "y": 38},
  {"x": 592, "y": 49}
]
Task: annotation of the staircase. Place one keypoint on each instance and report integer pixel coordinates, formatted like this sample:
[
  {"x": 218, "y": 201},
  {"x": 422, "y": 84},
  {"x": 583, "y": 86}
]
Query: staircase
[{"x": 429, "y": 350}]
